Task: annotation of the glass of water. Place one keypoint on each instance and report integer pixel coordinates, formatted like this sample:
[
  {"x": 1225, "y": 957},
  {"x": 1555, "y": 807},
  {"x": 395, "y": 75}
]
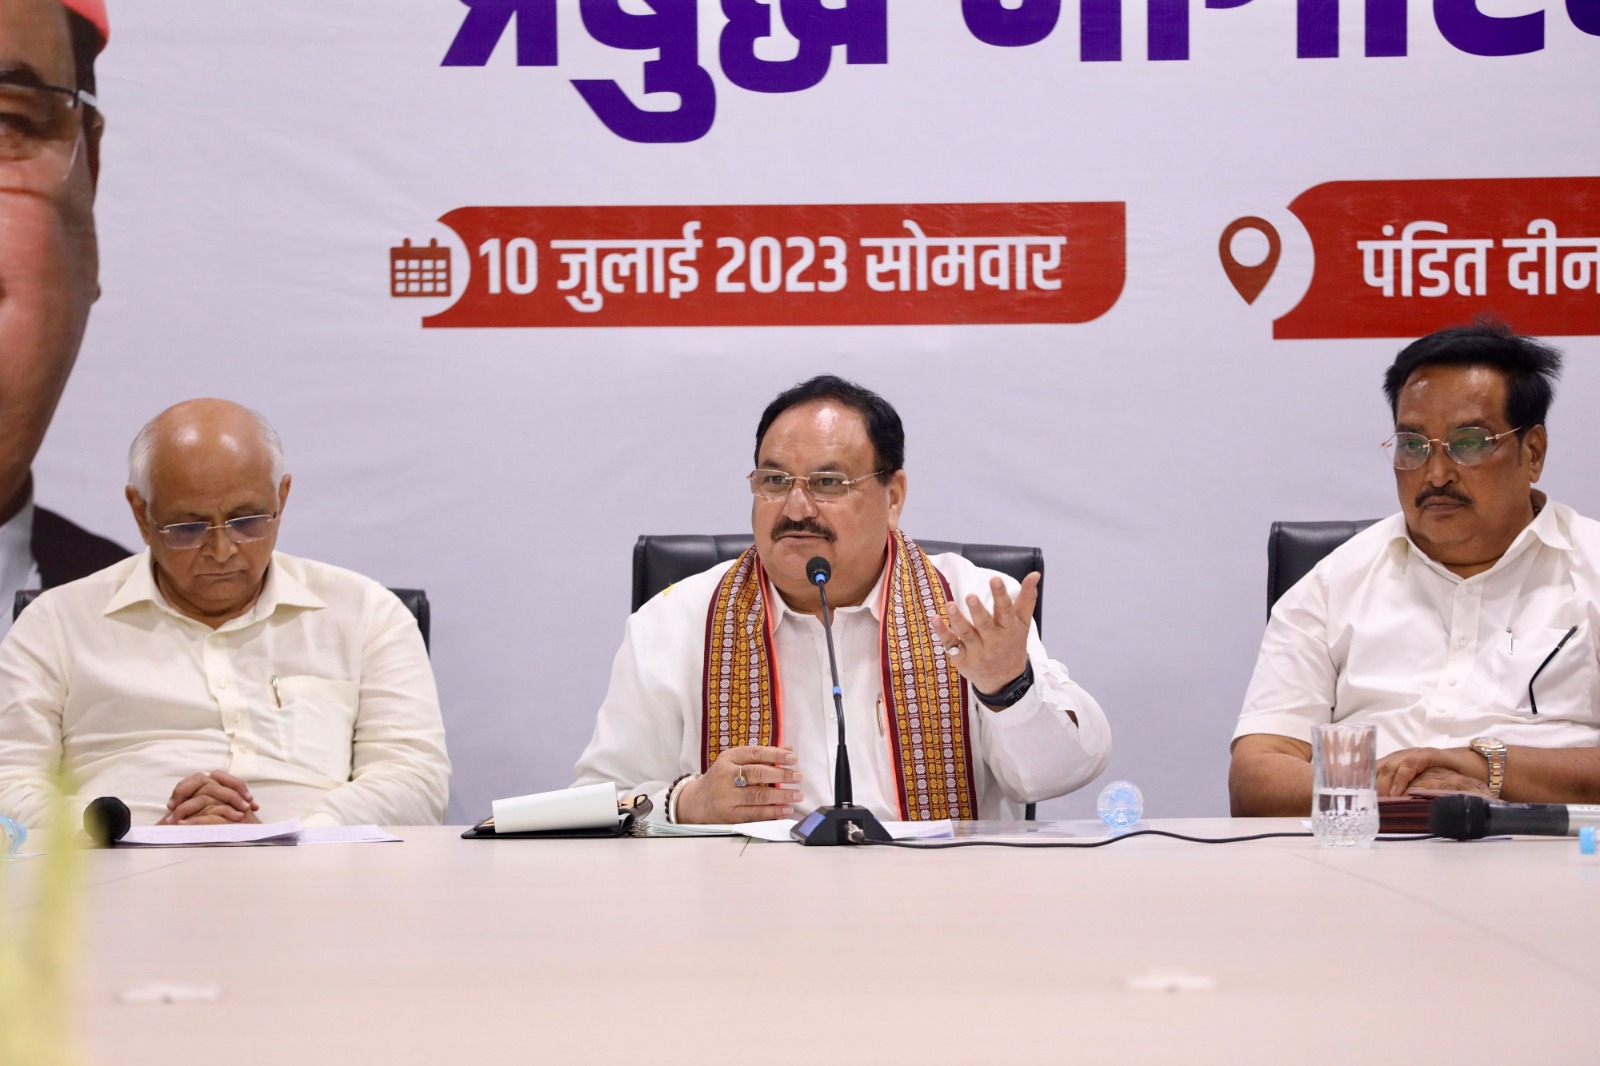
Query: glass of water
[{"x": 1344, "y": 767}]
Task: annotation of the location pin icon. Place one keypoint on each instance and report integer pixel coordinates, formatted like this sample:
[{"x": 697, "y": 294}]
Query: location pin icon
[{"x": 1249, "y": 280}]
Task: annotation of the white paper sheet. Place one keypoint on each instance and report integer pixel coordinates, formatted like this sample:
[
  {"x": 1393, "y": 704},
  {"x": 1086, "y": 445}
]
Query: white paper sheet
[
  {"x": 656, "y": 828},
  {"x": 586, "y": 807},
  {"x": 200, "y": 836},
  {"x": 777, "y": 830},
  {"x": 345, "y": 834}
]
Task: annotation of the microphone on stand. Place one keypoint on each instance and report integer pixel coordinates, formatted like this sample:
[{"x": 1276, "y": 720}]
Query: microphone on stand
[
  {"x": 844, "y": 822},
  {"x": 1467, "y": 817}
]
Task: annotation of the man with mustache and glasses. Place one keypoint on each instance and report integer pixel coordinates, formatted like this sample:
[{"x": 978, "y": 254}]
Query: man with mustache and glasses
[
  {"x": 720, "y": 704},
  {"x": 50, "y": 128},
  {"x": 213, "y": 679},
  {"x": 1463, "y": 628}
]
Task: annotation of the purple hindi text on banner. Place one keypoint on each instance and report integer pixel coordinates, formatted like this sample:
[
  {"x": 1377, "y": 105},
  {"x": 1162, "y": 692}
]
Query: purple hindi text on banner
[
  {"x": 1471, "y": 31},
  {"x": 670, "y": 28},
  {"x": 1461, "y": 23},
  {"x": 1015, "y": 27},
  {"x": 862, "y": 29},
  {"x": 1585, "y": 14},
  {"x": 488, "y": 20},
  {"x": 673, "y": 28}
]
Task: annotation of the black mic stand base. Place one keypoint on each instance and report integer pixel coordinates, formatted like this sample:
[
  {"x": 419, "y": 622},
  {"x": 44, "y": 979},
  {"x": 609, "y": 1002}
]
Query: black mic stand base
[{"x": 842, "y": 824}]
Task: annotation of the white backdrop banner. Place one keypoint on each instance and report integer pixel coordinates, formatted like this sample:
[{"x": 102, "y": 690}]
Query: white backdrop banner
[{"x": 515, "y": 278}]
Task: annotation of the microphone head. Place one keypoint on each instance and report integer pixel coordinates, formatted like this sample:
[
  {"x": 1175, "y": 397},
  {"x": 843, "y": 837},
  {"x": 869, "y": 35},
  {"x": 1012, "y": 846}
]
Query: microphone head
[
  {"x": 818, "y": 570},
  {"x": 1460, "y": 817},
  {"x": 107, "y": 820}
]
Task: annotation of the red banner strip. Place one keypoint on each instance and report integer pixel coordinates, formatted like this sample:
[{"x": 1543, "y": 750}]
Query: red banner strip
[{"x": 844, "y": 264}]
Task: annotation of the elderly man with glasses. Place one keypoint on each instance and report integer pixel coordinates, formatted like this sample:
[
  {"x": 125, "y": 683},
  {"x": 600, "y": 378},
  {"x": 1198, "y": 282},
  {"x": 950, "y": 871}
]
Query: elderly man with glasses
[
  {"x": 50, "y": 129},
  {"x": 721, "y": 703},
  {"x": 1463, "y": 628},
  {"x": 212, "y": 679}
]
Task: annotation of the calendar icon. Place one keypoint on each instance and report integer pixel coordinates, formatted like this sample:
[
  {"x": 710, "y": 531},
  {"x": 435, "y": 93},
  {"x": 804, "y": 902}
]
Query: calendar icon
[{"x": 417, "y": 271}]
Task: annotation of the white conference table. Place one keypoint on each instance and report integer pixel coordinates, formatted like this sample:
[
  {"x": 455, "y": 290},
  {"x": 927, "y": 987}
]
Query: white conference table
[{"x": 441, "y": 950}]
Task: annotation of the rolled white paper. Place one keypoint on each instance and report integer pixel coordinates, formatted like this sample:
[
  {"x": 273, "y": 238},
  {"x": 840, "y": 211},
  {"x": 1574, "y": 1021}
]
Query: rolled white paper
[{"x": 584, "y": 807}]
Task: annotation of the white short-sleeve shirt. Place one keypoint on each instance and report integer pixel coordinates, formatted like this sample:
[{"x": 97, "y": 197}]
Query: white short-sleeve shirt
[{"x": 1378, "y": 632}]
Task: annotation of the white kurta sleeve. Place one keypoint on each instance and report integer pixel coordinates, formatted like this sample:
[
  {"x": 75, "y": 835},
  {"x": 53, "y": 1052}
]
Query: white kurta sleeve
[
  {"x": 33, "y": 694},
  {"x": 1293, "y": 687},
  {"x": 1034, "y": 748},
  {"x": 399, "y": 770},
  {"x": 640, "y": 733}
]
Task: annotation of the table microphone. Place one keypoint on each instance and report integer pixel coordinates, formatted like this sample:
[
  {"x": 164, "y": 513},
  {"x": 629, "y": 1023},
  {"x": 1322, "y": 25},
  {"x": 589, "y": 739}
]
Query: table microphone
[
  {"x": 1467, "y": 817},
  {"x": 844, "y": 822},
  {"x": 107, "y": 821}
]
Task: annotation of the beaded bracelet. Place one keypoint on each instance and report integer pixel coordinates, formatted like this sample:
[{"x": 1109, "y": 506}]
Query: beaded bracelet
[{"x": 666, "y": 802}]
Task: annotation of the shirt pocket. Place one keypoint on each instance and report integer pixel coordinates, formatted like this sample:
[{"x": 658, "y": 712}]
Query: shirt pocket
[
  {"x": 319, "y": 716},
  {"x": 1566, "y": 686}
]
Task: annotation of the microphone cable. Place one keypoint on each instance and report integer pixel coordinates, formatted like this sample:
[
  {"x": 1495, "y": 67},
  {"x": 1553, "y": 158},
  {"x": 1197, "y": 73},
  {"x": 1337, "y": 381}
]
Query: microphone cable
[{"x": 940, "y": 845}]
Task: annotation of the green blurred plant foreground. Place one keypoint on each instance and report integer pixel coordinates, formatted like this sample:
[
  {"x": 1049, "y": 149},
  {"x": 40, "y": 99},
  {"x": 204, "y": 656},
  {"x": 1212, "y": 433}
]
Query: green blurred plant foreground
[{"x": 38, "y": 947}]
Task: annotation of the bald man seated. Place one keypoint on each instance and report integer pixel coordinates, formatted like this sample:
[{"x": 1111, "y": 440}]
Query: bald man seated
[{"x": 212, "y": 679}]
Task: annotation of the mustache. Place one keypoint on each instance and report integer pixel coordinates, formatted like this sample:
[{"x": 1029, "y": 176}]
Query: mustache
[
  {"x": 1443, "y": 490},
  {"x": 810, "y": 526}
]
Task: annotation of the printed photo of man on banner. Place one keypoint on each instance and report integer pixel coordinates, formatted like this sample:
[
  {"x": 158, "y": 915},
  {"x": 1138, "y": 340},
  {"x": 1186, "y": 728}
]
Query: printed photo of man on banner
[{"x": 49, "y": 265}]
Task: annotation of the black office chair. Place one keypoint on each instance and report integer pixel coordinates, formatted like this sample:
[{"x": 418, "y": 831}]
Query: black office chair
[
  {"x": 660, "y": 560},
  {"x": 416, "y": 601},
  {"x": 1293, "y": 548}
]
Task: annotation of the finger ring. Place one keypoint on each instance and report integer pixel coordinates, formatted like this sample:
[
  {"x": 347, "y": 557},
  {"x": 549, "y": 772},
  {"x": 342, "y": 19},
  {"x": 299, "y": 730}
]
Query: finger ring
[
  {"x": 739, "y": 781},
  {"x": 953, "y": 650}
]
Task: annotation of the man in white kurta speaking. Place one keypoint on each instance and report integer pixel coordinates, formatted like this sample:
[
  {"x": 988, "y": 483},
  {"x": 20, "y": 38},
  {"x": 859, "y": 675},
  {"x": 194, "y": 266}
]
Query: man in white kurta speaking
[
  {"x": 212, "y": 679},
  {"x": 720, "y": 704},
  {"x": 1463, "y": 627}
]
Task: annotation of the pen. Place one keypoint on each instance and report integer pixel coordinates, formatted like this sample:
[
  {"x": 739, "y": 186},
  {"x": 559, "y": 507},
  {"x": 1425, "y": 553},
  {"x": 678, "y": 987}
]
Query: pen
[{"x": 277, "y": 694}]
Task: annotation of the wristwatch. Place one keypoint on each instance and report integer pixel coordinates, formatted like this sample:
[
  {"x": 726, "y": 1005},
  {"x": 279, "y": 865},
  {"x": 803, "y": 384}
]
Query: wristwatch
[
  {"x": 1495, "y": 752},
  {"x": 1010, "y": 694}
]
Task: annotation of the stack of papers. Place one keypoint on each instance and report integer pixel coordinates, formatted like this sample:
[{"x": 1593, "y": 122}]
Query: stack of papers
[{"x": 274, "y": 833}]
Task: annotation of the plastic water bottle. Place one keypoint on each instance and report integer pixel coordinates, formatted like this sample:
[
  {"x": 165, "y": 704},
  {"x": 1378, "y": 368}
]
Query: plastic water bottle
[
  {"x": 12, "y": 834},
  {"x": 1121, "y": 804}
]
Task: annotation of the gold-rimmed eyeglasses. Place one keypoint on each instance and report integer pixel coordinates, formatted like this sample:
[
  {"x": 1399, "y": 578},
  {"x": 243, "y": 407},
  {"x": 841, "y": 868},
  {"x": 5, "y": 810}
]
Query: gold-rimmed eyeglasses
[
  {"x": 820, "y": 485},
  {"x": 184, "y": 536},
  {"x": 1467, "y": 446}
]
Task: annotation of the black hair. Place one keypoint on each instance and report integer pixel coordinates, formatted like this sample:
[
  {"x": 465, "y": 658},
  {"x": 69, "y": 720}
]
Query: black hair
[
  {"x": 884, "y": 430},
  {"x": 1530, "y": 367}
]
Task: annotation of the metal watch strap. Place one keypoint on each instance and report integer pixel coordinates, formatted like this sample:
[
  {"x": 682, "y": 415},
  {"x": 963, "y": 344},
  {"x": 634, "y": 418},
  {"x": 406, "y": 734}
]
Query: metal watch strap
[{"x": 1494, "y": 753}]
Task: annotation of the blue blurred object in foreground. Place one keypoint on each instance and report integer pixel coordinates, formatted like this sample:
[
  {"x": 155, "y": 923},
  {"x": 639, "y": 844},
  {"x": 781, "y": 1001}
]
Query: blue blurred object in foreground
[
  {"x": 1121, "y": 804},
  {"x": 12, "y": 834}
]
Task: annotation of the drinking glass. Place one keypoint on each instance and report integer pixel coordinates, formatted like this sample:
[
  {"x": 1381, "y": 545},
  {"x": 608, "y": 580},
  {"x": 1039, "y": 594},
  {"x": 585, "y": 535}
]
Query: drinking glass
[{"x": 1344, "y": 767}]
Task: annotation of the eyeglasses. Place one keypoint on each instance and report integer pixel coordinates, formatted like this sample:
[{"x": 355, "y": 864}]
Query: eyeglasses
[
  {"x": 1562, "y": 644},
  {"x": 822, "y": 485},
  {"x": 1468, "y": 446},
  {"x": 186, "y": 535},
  {"x": 41, "y": 133}
]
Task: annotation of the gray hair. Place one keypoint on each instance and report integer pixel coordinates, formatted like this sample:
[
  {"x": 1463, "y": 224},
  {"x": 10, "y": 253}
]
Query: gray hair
[{"x": 142, "y": 451}]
